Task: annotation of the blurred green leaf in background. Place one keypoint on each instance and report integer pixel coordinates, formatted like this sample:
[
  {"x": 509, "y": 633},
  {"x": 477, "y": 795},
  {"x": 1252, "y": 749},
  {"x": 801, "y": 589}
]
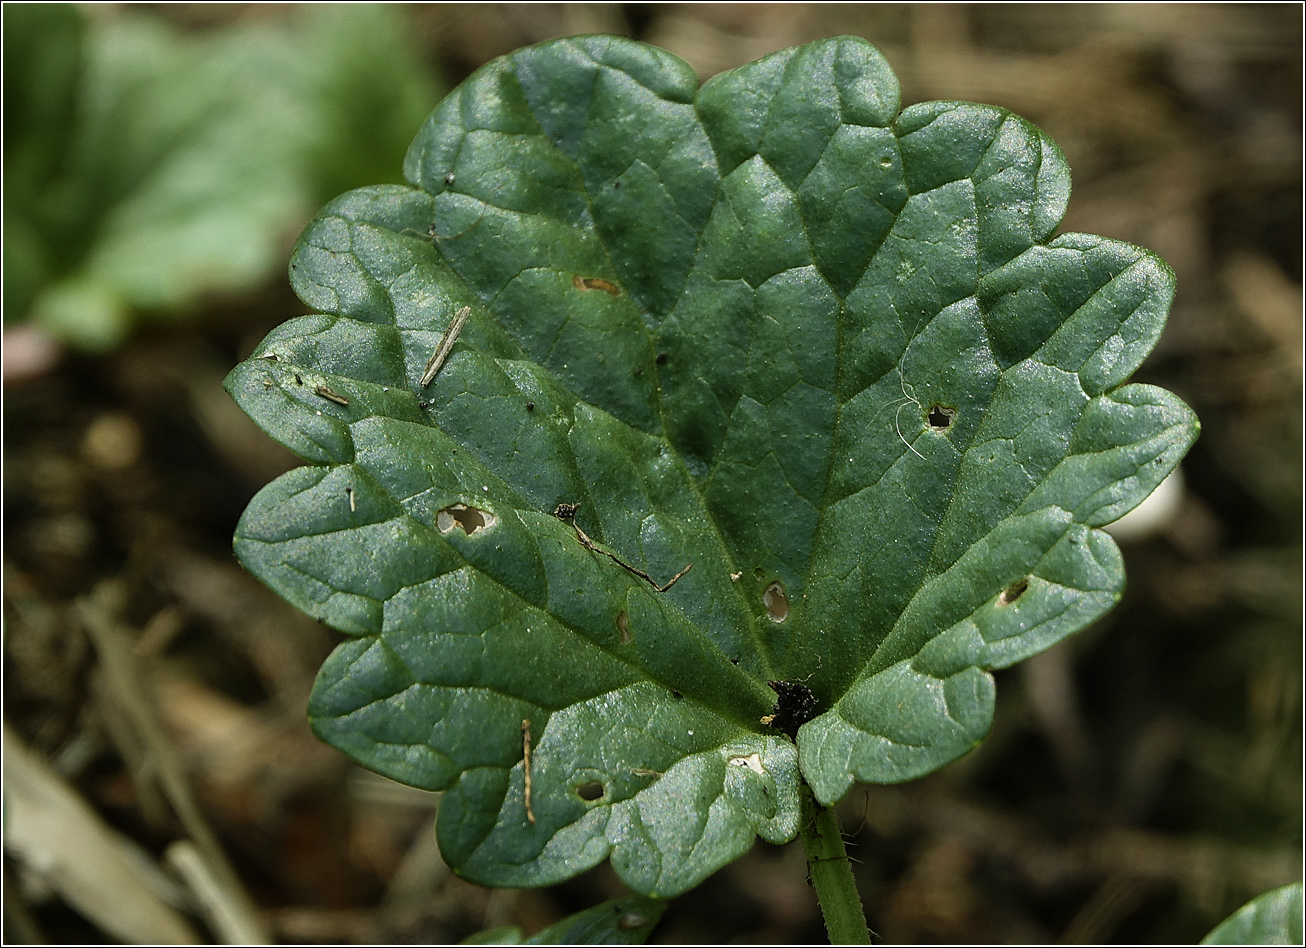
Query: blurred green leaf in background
[
  {"x": 145, "y": 168},
  {"x": 1274, "y": 918}
]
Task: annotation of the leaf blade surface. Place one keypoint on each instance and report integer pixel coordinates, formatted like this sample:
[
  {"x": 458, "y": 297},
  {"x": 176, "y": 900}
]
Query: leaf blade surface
[{"x": 825, "y": 352}]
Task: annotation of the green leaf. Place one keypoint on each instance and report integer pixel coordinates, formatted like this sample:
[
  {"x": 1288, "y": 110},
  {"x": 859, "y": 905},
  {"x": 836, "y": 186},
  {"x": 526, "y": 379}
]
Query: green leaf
[
  {"x": 1273, "y": 918},
  {"x": 625, "y": 921},
  {"x": 144, "y": 169},
  {"x": 826, "y": 352}
]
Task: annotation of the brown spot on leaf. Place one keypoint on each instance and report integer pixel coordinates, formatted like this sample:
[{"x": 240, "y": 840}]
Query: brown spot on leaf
[
  {"x": 1013, "y": 592},
  {"x": 595, "y": 283}
]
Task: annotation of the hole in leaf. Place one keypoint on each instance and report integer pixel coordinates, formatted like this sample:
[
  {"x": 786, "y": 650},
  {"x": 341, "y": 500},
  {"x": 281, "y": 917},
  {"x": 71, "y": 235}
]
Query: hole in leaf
[
  {"x": 776, "y": 602},
  {"x": 591, "y": 791},
  {"x": 623, "y": 624},
  {"x": 1013, "y": 592},
  {"x": 470, "y": 519},
  {"x": 759, "y": 574},
  {"x": 941, "y": 416},
  {"x": 886, "y": 162}
]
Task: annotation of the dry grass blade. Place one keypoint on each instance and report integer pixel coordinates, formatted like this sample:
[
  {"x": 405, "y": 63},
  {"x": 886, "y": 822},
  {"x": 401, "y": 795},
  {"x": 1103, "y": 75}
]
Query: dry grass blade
[
  {"x": 446, "y": 345},
  {"x": 130, "y": 691},
  {"x": 51, "y": 829}
]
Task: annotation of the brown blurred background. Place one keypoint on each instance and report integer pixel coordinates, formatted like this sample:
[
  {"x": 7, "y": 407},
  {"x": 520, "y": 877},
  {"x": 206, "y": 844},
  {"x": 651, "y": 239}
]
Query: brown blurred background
[{"x": 1142, "y": 780}]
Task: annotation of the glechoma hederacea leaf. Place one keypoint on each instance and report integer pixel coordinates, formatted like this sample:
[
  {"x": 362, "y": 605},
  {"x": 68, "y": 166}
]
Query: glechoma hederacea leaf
[{"x": 825, "y": 351}]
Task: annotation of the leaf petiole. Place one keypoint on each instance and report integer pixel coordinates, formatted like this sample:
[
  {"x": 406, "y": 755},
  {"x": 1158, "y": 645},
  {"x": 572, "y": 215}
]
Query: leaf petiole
[{"x": 831, "y": 873}]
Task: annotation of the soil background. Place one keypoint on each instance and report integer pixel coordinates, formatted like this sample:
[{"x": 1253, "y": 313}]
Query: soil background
[{"x": 1143, "y": 779}]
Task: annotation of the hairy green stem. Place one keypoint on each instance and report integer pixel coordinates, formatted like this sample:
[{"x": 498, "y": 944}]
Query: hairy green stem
[{"x": 832, "y": 874}]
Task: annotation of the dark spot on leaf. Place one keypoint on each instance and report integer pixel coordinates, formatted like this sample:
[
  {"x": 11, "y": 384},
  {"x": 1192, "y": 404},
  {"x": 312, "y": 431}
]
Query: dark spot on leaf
[
  {"x": 630, "y": 921},
  {"x": 591, "y": 791},
  {"x": 734, "y": 661},
  {"x": 676, "y": 694},
  {"x": 423, "y": 404},
  {"x": 298, "y": 380},
  {"x": 566, "y": 512},
  {"x": 638, "y": 373},
  {"x": 616, "y": 184},
  {"x": 595, "y": 283},
  {"x": 469, "y": 518},
  {"x": 623, "y": 625},
  {"x": 1013, "y": 592},
  {"x": 530, "y": 406},
  {"x": 776, "y": 602},
  {"x": 661, "y": 358},
  {"x": 795, "y": 705},
  {"x": 941, "y": 416},
  {"x": 448, "y": 179}
]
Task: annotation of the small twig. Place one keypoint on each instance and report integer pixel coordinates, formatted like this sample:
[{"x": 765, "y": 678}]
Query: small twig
[
  {"x": 331, "y": 396},
  {"x": 567, "y": 514},
  {"x": 526, "y": 765},
  {"x": 446, "y": 345},
  {"x": 671, "y": 582}
]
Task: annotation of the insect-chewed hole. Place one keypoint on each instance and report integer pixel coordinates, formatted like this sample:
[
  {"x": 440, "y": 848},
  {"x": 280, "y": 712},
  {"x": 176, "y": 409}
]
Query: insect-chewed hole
[
  {"x": 590, "y": 791},
  {"x": 471, "y": 519},
  {"x": 1013, "y": 592},
  {"x": 631, "y": 921},
  {"x": 941, "y": 416},
  {"x": 623, "y": 626},
  {"x": 776, "y": 602}
]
